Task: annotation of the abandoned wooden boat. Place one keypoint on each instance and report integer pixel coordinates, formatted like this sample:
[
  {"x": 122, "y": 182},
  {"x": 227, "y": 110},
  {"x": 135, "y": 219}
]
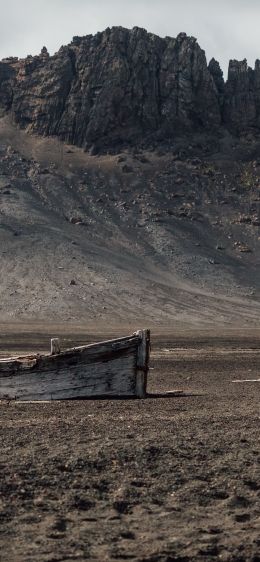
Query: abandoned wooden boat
[{"x": 114, "y": 368}]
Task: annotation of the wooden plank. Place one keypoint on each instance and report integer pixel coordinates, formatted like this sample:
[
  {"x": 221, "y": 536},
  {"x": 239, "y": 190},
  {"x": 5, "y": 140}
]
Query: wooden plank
[
  {"x": 117, "y": 343},
  {"x": 142, "y": 363},
  {"x": 248, "y": 380},
  {"x": 83, "y": 355},
  {"x": 116, "y": 378}
]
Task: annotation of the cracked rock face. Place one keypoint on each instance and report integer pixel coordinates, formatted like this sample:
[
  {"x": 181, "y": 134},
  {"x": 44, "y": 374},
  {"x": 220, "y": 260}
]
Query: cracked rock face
[
  {"x": 128, "y": 86},
  {"x": 7, "y": 75},
  {"x": 242, "y": 97}
]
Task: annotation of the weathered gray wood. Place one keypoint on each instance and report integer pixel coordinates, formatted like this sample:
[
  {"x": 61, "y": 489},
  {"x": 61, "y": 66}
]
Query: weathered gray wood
[
  {"x": 94, "y": 380},
  {"x": 248, "y": 380},
  {"x": 55, "y": 346},
  {"x": 111, "y": 368},
  {"x": 140, "y": 388},
  {"x": 142, "y": 362}
]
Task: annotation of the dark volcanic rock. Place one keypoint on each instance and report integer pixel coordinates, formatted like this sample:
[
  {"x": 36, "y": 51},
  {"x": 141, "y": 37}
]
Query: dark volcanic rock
[
  {"x": 6, "y": 94},
  {"x": 217, "y": 75},
  {"x": 114, "y": 87},
  {"x": 242, "y": 96},
  {"x": 41, "y": 89},
  {"x": 128, "y": 86},
  {"x": 188, "y": 96}
]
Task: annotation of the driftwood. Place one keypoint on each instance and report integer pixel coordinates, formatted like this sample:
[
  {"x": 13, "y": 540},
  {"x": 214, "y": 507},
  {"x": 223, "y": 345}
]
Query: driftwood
[
  {"x": 248, "y": 380},
  {"x": 116, "y": 368}
]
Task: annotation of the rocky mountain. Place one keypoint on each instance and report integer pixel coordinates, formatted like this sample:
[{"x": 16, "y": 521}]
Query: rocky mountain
[
  {"x": 128, "y": 86},
  {"x": 129, "y": 184}
]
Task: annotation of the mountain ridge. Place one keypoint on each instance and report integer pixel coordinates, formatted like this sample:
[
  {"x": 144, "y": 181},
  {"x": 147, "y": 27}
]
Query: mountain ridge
[{"x": 122, "y": 87}]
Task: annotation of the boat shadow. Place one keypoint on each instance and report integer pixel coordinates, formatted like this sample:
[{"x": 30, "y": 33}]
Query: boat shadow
[
  {"x": 172, "y": 394},
  {"x": 149, "y": 396}
]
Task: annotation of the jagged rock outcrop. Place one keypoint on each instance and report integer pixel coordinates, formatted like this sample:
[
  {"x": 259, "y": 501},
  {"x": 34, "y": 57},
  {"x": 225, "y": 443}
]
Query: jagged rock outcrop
[
  {"x": 217, "y": 75},
  {"x": 122, "y": 86},
  {"x": 242, "y": 97},
  {"x": 6, "y": 92},
  {"x": 116, "y": 86}
]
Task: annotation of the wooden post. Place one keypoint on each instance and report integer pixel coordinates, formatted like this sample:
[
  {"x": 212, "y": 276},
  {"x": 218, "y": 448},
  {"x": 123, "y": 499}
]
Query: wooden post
[
  {"x": 142, "y": 365},
  {"x": 55, "y": 346}
]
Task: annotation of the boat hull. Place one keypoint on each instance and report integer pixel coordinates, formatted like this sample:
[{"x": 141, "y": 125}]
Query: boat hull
[{"x": 115, "y": 368}]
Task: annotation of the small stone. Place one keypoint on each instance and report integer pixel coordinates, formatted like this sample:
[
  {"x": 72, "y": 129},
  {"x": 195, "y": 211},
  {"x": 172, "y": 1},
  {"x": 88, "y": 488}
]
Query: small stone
[
  {"x": 94, "y": 150},
  {"x": 127, "y": 169},
  {"x": 75, "y": 220}
]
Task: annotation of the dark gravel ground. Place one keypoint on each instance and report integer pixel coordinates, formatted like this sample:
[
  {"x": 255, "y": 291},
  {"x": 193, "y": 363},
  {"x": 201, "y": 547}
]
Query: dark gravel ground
[{"x": 167, "y": 479}]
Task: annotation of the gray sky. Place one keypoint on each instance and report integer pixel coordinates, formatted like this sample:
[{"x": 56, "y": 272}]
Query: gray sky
[{"x": 224, "y": 28}]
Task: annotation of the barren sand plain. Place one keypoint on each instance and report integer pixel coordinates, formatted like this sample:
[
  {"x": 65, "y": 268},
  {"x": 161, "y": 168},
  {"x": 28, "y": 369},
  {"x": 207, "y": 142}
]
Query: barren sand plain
[{"x": 172, "y": 478}]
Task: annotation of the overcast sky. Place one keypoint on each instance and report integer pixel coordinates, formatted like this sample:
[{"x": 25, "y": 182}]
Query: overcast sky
[{"x": 224, "y": 28}]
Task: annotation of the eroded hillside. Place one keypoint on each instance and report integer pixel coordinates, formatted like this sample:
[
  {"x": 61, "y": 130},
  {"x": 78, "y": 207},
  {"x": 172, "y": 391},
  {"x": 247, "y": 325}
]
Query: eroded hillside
[{"x": 165, "y": 236}]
